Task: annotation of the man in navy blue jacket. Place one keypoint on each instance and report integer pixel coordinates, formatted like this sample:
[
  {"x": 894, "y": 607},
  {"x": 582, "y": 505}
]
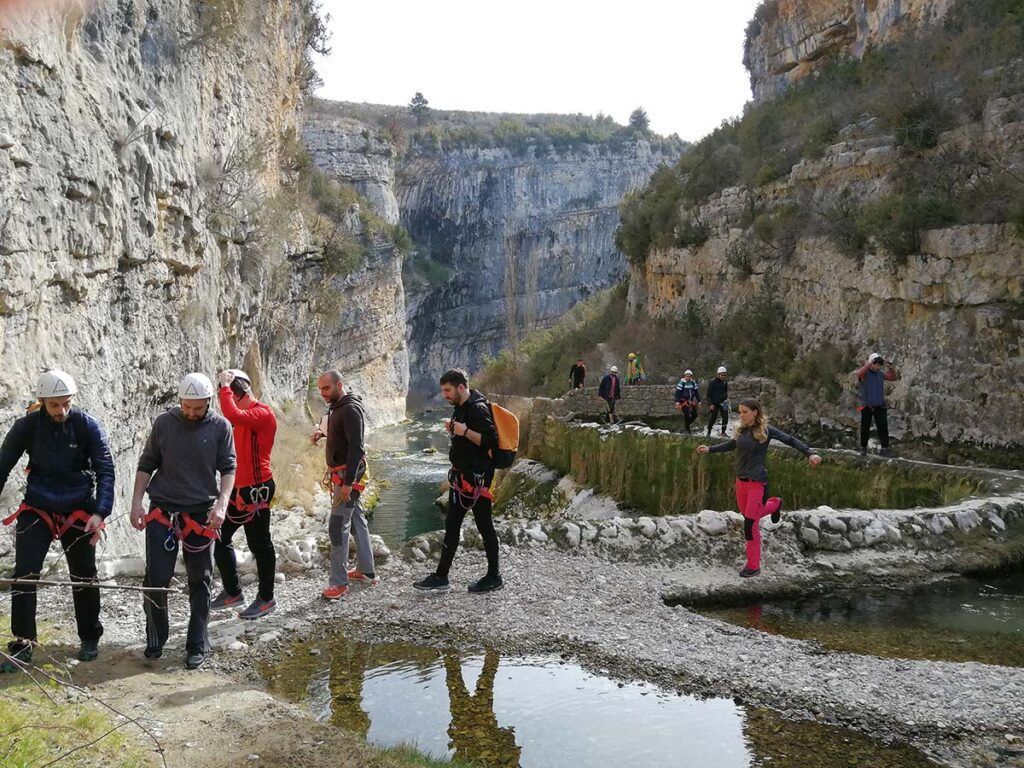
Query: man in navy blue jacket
[
  {"x": 610, "y": 391},
  {"x": 70, "y": 492}
]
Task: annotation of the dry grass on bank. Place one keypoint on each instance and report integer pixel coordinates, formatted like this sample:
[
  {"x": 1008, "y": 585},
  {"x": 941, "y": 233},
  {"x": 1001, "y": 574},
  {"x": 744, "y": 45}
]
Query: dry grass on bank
[{"x": 298, "y": 466}]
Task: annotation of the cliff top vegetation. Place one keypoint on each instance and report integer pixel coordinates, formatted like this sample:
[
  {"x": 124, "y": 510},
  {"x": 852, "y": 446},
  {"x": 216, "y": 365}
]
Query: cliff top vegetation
[{"x": 418, "y": 129}]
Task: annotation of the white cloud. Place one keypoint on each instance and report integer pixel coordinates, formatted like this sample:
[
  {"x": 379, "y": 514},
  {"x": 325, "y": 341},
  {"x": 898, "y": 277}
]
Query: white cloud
[{"x": 681, "y": 60}]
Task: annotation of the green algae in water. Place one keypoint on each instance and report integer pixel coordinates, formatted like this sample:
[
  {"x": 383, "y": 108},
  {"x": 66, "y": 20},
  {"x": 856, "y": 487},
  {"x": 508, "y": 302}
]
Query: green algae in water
[
  {"x": 660, "y": 473},
  {"x": 963, "y": 619},
  {"x": 498, "y": 711}
]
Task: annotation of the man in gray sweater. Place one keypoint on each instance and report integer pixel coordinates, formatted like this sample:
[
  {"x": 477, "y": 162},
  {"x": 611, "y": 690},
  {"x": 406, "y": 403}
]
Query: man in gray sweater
[{"x": 187, "y": 448}]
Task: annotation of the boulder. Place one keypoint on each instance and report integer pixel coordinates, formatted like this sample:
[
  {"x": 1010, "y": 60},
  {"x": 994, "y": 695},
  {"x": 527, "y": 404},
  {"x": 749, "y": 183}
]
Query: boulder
[{"x": 712, "y": 523}]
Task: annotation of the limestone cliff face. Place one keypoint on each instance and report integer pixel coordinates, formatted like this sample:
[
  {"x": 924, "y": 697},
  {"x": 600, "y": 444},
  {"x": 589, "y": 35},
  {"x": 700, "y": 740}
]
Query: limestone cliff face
[
  {"x": 790, "y": 39},
  {"x": 354, "y": 153},
  {"x": 136, "y": 142},
  {"x": 524, "y": 238},
  {"x": 951, "y": 315}
]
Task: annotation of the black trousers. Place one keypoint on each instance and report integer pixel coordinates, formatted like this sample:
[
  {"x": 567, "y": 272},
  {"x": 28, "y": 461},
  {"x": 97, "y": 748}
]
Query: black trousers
[
  {"x": 718, "y": 412},
  {"x": 879, "y": 414},
  {"x": 32, "y": 542},
  {"x": 161, "y": 555},
  {"x": 257, "y": 536},
  {"x": 689, "y": 414},
  {"x": 453, "y": 525}
]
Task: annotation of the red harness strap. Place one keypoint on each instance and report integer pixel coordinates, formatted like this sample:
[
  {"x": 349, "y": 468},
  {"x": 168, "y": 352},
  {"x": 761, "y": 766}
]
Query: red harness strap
[
  {"x": 338, "y": 478},
  {"x": 58, "y": 524},
  {"x": 186, "y": 524},
  {"x": 468, "y": 489}
]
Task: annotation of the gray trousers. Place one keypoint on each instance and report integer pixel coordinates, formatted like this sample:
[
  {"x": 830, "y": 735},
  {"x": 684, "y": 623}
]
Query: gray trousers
[{"x": 346, "y": 518}]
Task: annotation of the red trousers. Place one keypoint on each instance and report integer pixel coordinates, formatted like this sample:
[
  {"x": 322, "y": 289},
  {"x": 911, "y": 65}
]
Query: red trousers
[{"x": 750, "y": 498}]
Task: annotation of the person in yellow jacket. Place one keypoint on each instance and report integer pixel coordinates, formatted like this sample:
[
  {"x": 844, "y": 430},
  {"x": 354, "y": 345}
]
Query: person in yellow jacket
[{"x": 635, "y": 369}]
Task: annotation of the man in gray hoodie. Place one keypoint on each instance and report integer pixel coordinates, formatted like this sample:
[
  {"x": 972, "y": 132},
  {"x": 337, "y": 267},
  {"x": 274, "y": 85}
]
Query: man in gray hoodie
[
  {"x": 187, "y": 448},
  {"x": 346, "y": 460}
]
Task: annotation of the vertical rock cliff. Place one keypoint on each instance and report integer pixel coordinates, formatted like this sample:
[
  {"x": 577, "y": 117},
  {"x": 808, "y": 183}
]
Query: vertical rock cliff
[
  {"x": 790, "y": 39},
  {"x": 144, "y": 227},
  {"x": 524, "y": 238}
]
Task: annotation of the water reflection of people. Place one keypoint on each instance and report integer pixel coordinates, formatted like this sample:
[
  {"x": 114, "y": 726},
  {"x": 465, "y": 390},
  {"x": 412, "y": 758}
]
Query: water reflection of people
[{"x": 474, "y": 732}]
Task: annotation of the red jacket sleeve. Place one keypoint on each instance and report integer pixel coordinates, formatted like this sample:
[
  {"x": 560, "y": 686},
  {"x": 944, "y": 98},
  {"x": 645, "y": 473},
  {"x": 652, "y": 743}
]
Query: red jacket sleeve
[
  {"x": 862, "y": 372},
  {"x": 252, "y": 418}
]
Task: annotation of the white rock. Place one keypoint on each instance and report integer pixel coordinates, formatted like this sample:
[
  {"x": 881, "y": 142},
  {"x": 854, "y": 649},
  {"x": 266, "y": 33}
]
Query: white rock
[
  {"x": 573, "y": 535},
  {"x": 875, "y": 533},
  {"x": 966, "y": 519},
  {"x": 809, "y": 535},
  {"x": 647, "y": 527},
  {"x": 712, "y": 523}
]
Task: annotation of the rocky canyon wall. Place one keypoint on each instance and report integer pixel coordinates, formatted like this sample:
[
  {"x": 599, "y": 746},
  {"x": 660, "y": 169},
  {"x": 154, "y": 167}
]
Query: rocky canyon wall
[
  {"x": 144, "y": 231},
  {"x": 790, "y": 39}
]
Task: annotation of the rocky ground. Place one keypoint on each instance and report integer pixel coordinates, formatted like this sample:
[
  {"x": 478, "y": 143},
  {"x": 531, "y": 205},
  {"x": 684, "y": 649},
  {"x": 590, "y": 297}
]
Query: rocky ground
[{"x": 611, "y": 617}]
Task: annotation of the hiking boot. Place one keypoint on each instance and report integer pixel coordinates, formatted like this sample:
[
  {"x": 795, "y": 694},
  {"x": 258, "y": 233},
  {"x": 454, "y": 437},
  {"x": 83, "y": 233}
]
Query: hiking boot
[
  {"x": 432, "y": 583},
  {"x": 487, "y": 584},
  {"x": 863, "y": 450},
  {"x": 224, "y": 600},
  {"x": 884, "y": 452},
  {"x": 258, "y": 608},
  {"x": 153, "y": 652},
  {"x": 20, "y": 653},
  {"x": 195, "y": 660},
  {"x": 88, "y": 651},
  {"x": 335, "y": 593},
  {"x": 776, "y": 514},
  {"x": 747, "y": 572},
  {"x": 370, "y": 579}
]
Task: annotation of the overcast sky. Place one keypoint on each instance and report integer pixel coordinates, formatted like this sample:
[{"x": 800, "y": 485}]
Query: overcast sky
[{"x": 679, "y": 59}]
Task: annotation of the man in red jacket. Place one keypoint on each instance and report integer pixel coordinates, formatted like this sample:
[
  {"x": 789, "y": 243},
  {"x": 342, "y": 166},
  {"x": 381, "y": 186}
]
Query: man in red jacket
[{"x": 254, "y": 427}]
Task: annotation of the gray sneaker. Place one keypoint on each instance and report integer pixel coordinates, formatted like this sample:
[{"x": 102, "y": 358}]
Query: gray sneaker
[
  {"x": 224, "y": 600},
  {"x": 258, "y": 609}
]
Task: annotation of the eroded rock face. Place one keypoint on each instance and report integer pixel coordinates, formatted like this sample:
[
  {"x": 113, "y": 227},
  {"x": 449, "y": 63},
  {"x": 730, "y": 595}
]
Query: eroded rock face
[
  {"x": 794, "y": 38},
  {"x": 127, "y": 252},
  {"x": 545, "y": 225},
  {"x": 949, "y": 316},
  {"x": 355, "y": 153}
]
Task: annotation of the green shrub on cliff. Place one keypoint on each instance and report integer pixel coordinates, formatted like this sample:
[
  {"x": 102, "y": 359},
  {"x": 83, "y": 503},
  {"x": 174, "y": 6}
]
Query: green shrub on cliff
[
  {"x": 916, "y": 88},
  {"x": 540, "y": 364}
]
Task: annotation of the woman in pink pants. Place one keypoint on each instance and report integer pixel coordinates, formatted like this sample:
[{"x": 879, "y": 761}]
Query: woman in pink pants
[{"x": 751, "y": 445}]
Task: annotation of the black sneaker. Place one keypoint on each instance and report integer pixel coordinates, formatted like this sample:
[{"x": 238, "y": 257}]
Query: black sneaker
[
  {"x": 884, "y": 452},
  {"x": 746, "y": 573},
  {"x": 153, "y": 652},
  {"x": 776, "y": 516},
  {"x": 433, "y": 583},
  {"x": 863, "y": 451},
  {"x": 258, "y": 608},
  {"x": 88, "y": 651},
  {"x": 195, "y": 660},
  {"x": 487, "y": 584},
  {"x": 224, "y": 600}
]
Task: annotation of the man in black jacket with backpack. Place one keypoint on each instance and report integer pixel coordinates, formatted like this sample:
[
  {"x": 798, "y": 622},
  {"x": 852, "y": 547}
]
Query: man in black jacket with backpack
[{"x": 474, "y": 439}]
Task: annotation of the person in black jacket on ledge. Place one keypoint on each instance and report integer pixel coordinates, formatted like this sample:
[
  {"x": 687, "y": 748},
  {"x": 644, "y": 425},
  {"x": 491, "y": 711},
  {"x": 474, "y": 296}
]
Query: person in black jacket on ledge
[{"x": 473, "y": 437}]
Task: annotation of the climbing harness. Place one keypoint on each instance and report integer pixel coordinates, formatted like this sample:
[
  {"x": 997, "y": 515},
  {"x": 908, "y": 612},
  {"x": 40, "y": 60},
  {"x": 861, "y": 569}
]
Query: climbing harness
[
  {"x": 259, "y": 499},
  {"x": 335, "y": 477},
  {"x": 179, "y": 526},
  {"x": 57, "y": 523},
  {"x": 465, "y": 491}
]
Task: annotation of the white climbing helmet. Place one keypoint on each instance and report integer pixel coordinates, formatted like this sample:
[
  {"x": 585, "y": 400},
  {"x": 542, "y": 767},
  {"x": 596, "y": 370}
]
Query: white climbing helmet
[
  {"x": 722, "y": 369},
  {"x": 687, "y": 372},
  {"x": 614, "y": 369},
  {"x": 241, "y": 376},
  {"x": 195, "y": 386},
  {"x": 55, "y": 384}
]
